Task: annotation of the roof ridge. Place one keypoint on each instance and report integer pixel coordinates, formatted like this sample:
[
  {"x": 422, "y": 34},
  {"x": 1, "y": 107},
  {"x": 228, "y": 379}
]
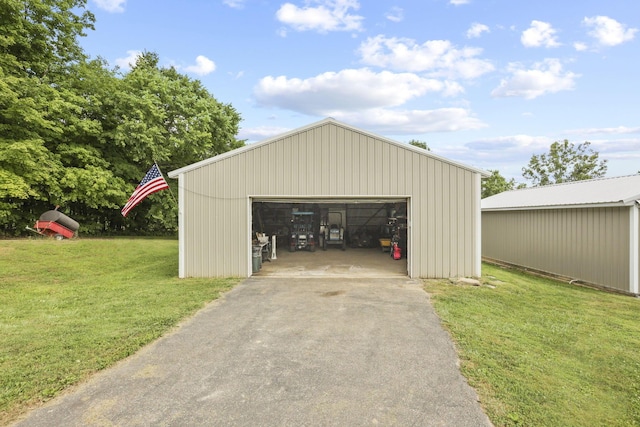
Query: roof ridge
[{"x": 557, "y": 184}]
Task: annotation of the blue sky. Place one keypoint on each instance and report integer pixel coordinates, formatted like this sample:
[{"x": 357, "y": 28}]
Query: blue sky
[{"x": 485, "y": 82}]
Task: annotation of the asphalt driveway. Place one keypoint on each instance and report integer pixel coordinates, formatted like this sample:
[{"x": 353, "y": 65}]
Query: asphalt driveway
[{"x": 287, "y": 352}]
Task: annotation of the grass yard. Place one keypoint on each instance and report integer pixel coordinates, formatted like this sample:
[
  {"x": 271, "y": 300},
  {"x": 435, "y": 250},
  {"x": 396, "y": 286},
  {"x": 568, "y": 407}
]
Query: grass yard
[
  {"x": 545, "y": 353},
  {"x": 71, "y": 308}
]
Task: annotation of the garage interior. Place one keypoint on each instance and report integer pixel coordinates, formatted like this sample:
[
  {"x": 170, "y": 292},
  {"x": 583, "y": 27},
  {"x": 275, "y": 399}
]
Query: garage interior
[{"x": 330, "y": 237}]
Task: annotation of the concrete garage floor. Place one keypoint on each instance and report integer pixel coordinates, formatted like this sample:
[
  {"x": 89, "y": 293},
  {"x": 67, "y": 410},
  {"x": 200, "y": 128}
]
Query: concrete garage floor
[{"x": 334, "y": 262}]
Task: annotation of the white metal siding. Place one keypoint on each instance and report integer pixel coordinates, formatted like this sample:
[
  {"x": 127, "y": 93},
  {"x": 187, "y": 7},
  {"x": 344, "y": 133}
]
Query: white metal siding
[
  {"x": 330, "y": 161},
  {"x": 589, "y": 244}
]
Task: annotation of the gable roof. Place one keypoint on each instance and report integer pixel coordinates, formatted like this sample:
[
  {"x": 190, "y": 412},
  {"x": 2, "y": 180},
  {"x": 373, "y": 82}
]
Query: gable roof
[
  {"x": 601, "y": 192},
  {"x": 202, "y": 163}
]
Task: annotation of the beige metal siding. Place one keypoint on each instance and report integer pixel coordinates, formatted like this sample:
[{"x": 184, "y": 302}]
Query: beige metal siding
[
  {"x": 589, "y": 244},
  {"x": 329, "y": 161}
]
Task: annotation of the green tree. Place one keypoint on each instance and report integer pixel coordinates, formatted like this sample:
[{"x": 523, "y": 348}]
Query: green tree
[
  {"x": 38, "y": 45},
  {"x": 166, "y": 117},
  {"x": 420, "y": 144},
  {"x": 77, "y": 134},
  {"x": 91, "y": 180},
  {"x": 496, "y": 183},
  {"x": 565, "y": 162}
]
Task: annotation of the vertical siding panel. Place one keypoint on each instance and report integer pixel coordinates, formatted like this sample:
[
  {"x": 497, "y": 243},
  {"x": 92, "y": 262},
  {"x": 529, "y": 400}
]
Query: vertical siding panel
[
  {"x": 371, "y": 165},
  {"x": 416, "y": 219},
  {"x": 279, "y": 174},
  {"x": 430, "y": 224},
  {"x": 283, "y": 153},
  {"x": 464, "y": 241},
  {"x": 297, "y": 159},
  {"x": 231, "y": 262},
  {"x": 468, "y": 195},
  {"x": 453, "y": 222},
  {"x": 355, "y": 165},
  {"x": 614, "y": 235},
  {"x": 240, "y": 220},
  {"x": 393, "y": 169},
  {"x": 310, "y": 152},
  {"x": 439, "y": 200},
  {"x": 349, "y": 163},
  {"x": 366, "y": 166},
  {"x": 446, "y": 221},
  {"x": 385, "y": 169},
  {"x": 331, "y": 185},
  {"x": 343, "y": 166},
  {"x": 593, "y": 224},
  {"x": 260, "y": 170},
  {"x": 588, "y": 244},
  {"x": 420, "y": 219},
  {"x": 411, "y": 183},
  {"x": 377, "y": 165},
  {"x": 399, "y": 172},
  {"x": 577, "y": 236},
  {"x": 623, "y": 252}
]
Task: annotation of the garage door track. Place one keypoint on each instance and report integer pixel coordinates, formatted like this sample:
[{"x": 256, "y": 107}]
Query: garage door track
[{"x": 287, "y": 352}]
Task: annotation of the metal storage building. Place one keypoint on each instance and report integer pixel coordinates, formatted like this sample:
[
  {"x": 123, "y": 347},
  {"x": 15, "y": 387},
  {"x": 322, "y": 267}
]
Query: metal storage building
[
  {"x": 328, "y": 162},
  {"x": 587, "y": 231}
]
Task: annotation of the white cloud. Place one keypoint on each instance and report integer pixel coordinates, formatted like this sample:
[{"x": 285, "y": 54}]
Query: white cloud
[
  {"x": 504, "y": 144},
  {"x": 411, "y": 122},
  {"x": 328, "y": 15},
  {"x": 476, "y": 30},
  {"x": 261, "y": 132},
  {"x": 459, "y": 2},
  {"x": 347, "y": 90},
  {"x": 618, "y": 148},
  {"x": 539, "y": 34},
  {"x": 608, "y": 31},
  {"x": 129, "y": 61},
  {"x": 437, "y": 57},
  {"x": 508, "y": 154},
  {"x": 580, "y": 47},
  {"x": 395, "y": 14},
  {"x": 202, "y": 67},
  {"x": 610, "y": 130},
  {"x": 237, "y": 75},
  {"x": 368, "y": 99},
  {"x": 545, "y": 77},
  {"x": 111, "y": 5},
  {"x": 390, "y": 122},
  {"x": 235, "y": 4}
]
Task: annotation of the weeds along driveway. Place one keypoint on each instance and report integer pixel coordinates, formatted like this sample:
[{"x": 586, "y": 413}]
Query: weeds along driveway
[{"x": 288, "y": 352}]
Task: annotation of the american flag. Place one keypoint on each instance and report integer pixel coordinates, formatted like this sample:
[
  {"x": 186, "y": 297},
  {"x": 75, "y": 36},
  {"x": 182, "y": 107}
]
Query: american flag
[{"x": 152, "y": 182}]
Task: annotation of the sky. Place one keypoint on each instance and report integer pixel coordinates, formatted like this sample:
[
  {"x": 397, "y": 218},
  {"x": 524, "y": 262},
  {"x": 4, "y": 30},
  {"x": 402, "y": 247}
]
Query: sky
[{"x": 487, "y": 83}]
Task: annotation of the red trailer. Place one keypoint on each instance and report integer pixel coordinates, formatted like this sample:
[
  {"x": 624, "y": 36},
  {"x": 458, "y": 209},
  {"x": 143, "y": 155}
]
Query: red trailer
[{"x": 55, "y": 224}]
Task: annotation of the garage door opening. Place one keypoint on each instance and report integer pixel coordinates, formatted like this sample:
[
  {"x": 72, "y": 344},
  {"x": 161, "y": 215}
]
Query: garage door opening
[{"x": 331, "y": 237}]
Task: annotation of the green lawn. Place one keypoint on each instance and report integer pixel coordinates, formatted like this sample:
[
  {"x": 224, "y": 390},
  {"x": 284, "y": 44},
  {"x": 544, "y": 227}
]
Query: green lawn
[
  {"x": 539, "y": 352},
  {"x": 71, "y": 308},
  {"x": 545, "y": 353}
]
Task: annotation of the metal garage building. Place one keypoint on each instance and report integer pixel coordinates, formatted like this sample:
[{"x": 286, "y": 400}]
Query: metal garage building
[
  {"x": 327, "y": 163},
  {"x": 586, "y": 230}
]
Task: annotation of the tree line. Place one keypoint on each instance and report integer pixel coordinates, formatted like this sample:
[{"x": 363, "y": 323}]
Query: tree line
[{"x": 77, "y": 134}]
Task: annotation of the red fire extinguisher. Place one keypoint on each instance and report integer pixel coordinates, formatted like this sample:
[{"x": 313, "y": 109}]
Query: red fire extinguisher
[{"x": 397, "y": 252}]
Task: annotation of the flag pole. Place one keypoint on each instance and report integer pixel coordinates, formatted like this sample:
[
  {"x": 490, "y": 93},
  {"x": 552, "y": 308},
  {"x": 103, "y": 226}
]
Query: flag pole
[{"x": 170, "y": 192}]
